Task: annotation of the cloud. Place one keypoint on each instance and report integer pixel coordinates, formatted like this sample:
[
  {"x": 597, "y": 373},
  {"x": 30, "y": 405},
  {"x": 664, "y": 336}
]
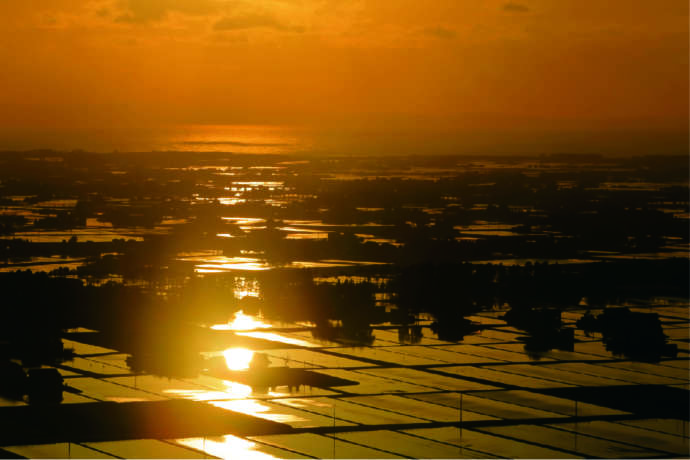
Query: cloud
[
  {"x": 516, "y": 8},
  {"x": 141, "y": 11},
  {"x": 440, "y": 32},
  {"x": 254, "y": 20}
]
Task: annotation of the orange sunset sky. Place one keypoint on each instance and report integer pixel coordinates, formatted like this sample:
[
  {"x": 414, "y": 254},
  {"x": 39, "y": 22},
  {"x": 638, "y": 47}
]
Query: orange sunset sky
[{"x": 463, "y": 76}]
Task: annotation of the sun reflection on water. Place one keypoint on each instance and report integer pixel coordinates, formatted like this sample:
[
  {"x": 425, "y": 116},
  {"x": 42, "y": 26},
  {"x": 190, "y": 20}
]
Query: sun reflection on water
[
  {"x": 244, "y": 220},
  {"x": 257, "y": 409},
  {"x": 246, "y": 287},
  {"x": 238, "y": 359},
  {"x": 220, "y": 264},
  {"x": 227, "y": 446},
  {"x": 273, "y": 337},
  {"x": 229, "y": 201},
  {"x": 242, "y": 322},
  {"x": 232, "y": 390}
]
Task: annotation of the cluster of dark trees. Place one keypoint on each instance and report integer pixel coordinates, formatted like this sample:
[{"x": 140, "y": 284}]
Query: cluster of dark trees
[
  {"x": 163, "y": 330},
  {"x": 554, "y": 207},
  {"x": 635, "y": 334},
  {"x": 558, "y": 207}
]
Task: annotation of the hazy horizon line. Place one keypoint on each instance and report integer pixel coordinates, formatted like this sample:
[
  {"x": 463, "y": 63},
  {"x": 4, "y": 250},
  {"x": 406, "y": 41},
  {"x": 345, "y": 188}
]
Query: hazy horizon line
[{"x": 331, "y": 154}]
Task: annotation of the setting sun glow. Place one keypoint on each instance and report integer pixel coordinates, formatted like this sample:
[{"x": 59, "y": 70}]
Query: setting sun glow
[{"x": 313, "y": 228}]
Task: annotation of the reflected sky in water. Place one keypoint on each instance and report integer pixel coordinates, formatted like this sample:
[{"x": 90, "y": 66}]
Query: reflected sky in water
[
  {"x": 208, "y": 262},
  {"x": 242, "y": 322},
  {"x": 244, "y": 220},
  {"x": 257, "y": 409},
  {"x": 274, "y": 337},
  {"x": 219, "y": 264},
  {"x": 227, "y": 446},
  {"x": 232, "y": 390},
  {"x": 246, "y": 325},
  {"x": 246, "y": 287}
]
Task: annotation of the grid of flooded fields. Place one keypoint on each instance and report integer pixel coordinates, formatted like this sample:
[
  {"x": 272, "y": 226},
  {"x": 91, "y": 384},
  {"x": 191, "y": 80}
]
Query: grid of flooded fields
[
  {"x": 178, "y": 305},
  {"x": 226, "y": 211},
  {"x": 482, "y": 398}
]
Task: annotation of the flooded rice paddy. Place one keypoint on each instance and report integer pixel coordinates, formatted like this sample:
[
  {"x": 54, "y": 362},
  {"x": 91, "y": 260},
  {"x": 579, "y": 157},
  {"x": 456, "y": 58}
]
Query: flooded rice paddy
[
  {"x": 481, "y": 399},
  {"x": 374, "y": 292}
]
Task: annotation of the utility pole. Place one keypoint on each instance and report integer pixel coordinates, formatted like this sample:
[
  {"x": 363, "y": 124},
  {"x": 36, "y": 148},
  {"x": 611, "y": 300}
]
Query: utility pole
[
  {"x": 460, "y": 427},
  {"x": 460, "y": 414}
]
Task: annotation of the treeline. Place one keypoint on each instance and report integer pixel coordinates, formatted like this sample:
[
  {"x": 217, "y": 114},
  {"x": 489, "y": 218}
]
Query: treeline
[
  {"x": 37, "y": 304},
  {"x": 467, "y": 288}
]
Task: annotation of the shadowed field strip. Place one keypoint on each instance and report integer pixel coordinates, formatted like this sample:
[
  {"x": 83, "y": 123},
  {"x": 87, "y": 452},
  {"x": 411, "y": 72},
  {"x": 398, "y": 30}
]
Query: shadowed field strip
[{"x": 109, "y": 421}]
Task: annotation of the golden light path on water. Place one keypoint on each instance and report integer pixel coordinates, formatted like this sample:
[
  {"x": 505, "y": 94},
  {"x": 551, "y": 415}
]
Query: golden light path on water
[
  {"x": 232, "y": 390},
  {"x": 246, "y": 325},
  {"x": 242, "y": 322},
  {"x": 219, "y": 264},
  {"x": 227, "y": 446},
  {"x": 235, "y": 396},
  {"x": 241, "y": 293},
  {"x": 256, "y": 409},
  {"x": 274, "y": 337},
  {"x": 244, "y": 220},
  {"x": 238, "y": 358}
]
